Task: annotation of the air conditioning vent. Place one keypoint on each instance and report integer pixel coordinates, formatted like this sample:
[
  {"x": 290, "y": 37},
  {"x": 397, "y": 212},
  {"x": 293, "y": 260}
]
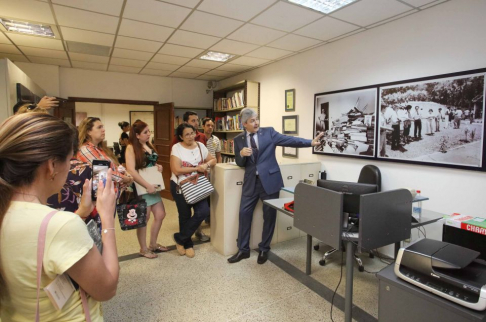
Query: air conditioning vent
[{"x": 89, "y": 49}]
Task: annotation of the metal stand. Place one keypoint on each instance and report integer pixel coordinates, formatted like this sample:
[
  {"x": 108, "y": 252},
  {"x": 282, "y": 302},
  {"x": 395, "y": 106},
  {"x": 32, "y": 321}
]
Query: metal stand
[
  {"x": 309, "y": 255},
  {"x": 348, "y": 297}
]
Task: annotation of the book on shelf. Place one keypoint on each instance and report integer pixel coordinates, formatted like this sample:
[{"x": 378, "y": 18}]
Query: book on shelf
[
  {"x": 228, "y": 159},
  {"x": 228, "y": 123},
  {"x": 227, "y": 103},
  {"x": 474, "y": 224},
  {"x": 227, "y": 146}
]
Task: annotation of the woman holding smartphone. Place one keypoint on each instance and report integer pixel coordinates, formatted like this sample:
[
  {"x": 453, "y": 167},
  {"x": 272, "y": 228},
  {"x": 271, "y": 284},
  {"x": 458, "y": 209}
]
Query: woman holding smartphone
[
  {"x": 141, "y": 154},
  {"x": 92, "y": 147},
  {"x": 35, "y": 154}
]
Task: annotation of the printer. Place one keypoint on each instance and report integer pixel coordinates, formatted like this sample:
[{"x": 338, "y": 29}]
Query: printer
[{"x": 450, "y": 271}]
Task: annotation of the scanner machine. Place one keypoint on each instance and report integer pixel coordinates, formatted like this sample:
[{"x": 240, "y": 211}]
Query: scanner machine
[{"x": 450, "y": 271}]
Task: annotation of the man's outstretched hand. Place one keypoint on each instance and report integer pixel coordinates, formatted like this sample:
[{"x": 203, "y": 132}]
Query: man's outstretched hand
[
  {"x": 48, "y": 102},
  {"x": 316, "y": 140}
]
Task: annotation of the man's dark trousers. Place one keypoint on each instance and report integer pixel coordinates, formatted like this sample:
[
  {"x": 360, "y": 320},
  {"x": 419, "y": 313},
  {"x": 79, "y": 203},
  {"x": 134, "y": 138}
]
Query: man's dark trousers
[{"x": 247, "y": 206}]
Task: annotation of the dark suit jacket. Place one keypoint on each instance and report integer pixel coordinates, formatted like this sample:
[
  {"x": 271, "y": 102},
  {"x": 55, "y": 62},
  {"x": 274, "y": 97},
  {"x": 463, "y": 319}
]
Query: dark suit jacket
[{"x": 267, "y": 166}]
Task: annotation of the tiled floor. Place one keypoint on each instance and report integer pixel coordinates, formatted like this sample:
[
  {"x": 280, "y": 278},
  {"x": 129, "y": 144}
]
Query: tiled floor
[{"x": 207, "y": 288}]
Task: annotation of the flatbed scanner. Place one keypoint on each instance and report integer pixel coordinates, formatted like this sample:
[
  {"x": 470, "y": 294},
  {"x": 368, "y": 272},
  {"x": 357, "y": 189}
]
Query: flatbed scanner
[{"x": 450, "y": 271}]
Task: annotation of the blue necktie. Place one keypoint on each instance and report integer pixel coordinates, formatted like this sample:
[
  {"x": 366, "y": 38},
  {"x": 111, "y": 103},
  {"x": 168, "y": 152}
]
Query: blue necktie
[{"x": 254, "y": 148}]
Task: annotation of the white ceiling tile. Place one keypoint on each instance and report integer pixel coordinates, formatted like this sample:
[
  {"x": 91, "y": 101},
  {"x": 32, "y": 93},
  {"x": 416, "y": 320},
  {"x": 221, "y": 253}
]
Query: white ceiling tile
[
  {"x": 50, "y": 61},
  {"x": 182, "y": 51},
  {"x": 183, "y": 75},
  {"x": 255, "y": 34},
  {"x": 418, "y": 3},
  {"x": 127, "y": 62},
  {"x": 88, "y": 58},
  {"x": 9, "y": 49},
  {"x": 185, "y": 3},
  {"x": 131, "y": 54},
  {"x": 326, "y": 28},
  {"x": 3, "y": 39},
  {"x": 285, "y": 16},
  {"x": 234, "y": 47},
  {"x": 293, "y": 42},
  {"x": 269, "y": 53},
  {"x": 393, "y": 18},
  {"x": 110, "y": 7},
  {"x": 233, "y": 68},
  {"x": 155, "y": 72},
  {"x": 249, "y": 61},
  {"x": 192, "y": 70},
  {"x": 204, "y": 63},
  {"x": 433, "y": 3},
  {"x": 186, "y": 38},
  {"x": 210, "y": 77},
  {"x": 14, "y": 57},
  {"x": 81, "y": 19},
  {"x": 144, "y": 30},
  {"x": 156, "y": 12},
  {"x": 87, "y": 65},
  {"x": 137, "y": 44},
  {"x": 89, "y": 37},
  {"x": 40, "y": 52},
  {"x": 160, "y": 66},
  {"x": 32, "y": 41},
  {"x": 238, "y": 9},
  {"x": 208, "y": 24},
  {"x": 222, "y": 73},
  {"x": 170, "y": 59},
  {"x": 27, "y": 10},
  {"x": 124, "y": 69},
  {"x": 367, "y": 12}
]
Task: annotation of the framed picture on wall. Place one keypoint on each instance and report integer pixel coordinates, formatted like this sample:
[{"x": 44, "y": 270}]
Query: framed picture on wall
[
  {"x": 145, "y": 116},
  {"x": 289, "y": 152},
  {"x": 290, "y": 100},
  {"x": 348, "y": 120},
  {"x": 435, "y": 120},
  {"x": 290, "y": 124}
]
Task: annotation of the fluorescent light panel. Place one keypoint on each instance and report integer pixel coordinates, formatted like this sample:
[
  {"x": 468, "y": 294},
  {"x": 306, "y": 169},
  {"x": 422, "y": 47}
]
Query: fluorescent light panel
[
  {"x": 24, "y": 27},
  {"x": 215, "y": 56},
  {"x": 325, "y": 6}
]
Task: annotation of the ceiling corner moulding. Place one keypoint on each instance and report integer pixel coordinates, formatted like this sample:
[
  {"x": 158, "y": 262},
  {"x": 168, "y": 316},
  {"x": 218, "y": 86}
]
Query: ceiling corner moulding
[
  {"x": 216, "y": 56},
  {"x": 27, "y": 28},
  {"x": 324, "y": 6}
]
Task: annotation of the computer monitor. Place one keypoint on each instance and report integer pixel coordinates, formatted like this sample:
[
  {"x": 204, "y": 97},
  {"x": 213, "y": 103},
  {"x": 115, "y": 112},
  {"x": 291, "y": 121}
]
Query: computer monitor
[{"x": 351, "y": 190}]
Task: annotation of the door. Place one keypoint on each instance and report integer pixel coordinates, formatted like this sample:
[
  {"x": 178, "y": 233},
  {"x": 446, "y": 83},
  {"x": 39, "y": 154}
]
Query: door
[
  {"x": 163, "y": 136},
  {"x": 66, "y": 111}
]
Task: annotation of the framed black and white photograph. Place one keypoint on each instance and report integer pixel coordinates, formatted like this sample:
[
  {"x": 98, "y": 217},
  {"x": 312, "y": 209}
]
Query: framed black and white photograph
[
  {"x": 437, "y": 121},
  {"x": 289, "y": 152},
  {"x": 290, "y": 100},
  {"x": 348, "y": 120},
  {"x": 290, "y": 125}
]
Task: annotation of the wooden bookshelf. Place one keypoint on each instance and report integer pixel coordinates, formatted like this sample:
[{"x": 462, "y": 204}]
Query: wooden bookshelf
[{"x": 226, "y": 115}]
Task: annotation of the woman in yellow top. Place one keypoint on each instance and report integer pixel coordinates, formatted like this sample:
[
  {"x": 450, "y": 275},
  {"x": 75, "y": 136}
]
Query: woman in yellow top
[{"x": 35, "y": 154}]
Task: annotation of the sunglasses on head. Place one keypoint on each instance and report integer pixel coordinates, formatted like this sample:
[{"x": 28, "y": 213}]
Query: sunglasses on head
[{"x": 31, "y": 107}]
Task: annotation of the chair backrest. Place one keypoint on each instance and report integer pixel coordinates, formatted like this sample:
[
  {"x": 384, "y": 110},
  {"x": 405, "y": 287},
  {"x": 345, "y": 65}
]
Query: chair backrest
[
  {"x": 116, "y": 148},
  {"x": 370, "y": 174}
]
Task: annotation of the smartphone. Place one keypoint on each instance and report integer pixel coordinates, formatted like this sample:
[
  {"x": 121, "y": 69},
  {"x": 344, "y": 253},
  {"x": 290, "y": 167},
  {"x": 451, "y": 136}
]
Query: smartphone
[{"x": 100, "y": 171}]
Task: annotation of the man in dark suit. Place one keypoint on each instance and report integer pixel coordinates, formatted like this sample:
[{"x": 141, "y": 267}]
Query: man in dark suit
[{"x": 255, "y": 151}]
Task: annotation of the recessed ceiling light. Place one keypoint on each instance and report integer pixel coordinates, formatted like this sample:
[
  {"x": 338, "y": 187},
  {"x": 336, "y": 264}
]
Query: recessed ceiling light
[
  {"x": 215, "y": 56},
  {"x": 325, "y": 6},
  {"x": 29, "y": 28}
]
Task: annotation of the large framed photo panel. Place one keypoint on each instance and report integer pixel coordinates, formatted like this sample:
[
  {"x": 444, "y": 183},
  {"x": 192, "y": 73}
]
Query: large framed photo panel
[
  {"x": 348, "y": 120},
  {"x": 436, "y": 120}
]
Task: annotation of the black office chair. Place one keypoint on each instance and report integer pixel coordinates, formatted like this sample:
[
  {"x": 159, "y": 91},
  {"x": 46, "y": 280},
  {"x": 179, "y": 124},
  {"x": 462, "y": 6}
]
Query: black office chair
[{"x": 369, "y": 174}]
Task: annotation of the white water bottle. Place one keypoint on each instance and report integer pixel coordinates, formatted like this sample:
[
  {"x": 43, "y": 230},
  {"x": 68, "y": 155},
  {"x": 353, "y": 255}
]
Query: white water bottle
[{"x": 417, "y": 208}]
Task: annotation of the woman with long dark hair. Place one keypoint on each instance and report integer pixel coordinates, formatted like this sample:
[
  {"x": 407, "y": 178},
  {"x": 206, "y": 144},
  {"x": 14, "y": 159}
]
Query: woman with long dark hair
[
  {"x": 141, "y": 154},
  {"x": 123, "y": 140},
  {"x": 35, "y": 154}
]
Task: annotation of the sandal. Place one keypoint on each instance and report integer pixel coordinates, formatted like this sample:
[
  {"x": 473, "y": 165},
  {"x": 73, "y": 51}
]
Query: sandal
[
  {"x": 158, "y": 249},
  {"x": 148, "y": 254}
]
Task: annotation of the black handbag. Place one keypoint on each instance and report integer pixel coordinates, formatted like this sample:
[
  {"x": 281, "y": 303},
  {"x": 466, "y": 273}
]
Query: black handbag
[{"x": 133, "y": 214}]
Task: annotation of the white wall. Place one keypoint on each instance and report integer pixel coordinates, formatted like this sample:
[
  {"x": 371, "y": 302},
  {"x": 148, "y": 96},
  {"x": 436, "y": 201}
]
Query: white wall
[
  {"x": 443, "y": 39},
  {"x": 110, "y": 115},
  {"x": 45, "y": 75},
  {"x": 10, "y": 75}
]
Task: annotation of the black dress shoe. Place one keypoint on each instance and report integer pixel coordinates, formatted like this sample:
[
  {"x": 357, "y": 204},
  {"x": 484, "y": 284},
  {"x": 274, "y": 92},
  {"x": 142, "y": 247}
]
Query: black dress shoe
[
  {"x": 238, "y": 256},
  {"x": 262, "y": 257}
]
